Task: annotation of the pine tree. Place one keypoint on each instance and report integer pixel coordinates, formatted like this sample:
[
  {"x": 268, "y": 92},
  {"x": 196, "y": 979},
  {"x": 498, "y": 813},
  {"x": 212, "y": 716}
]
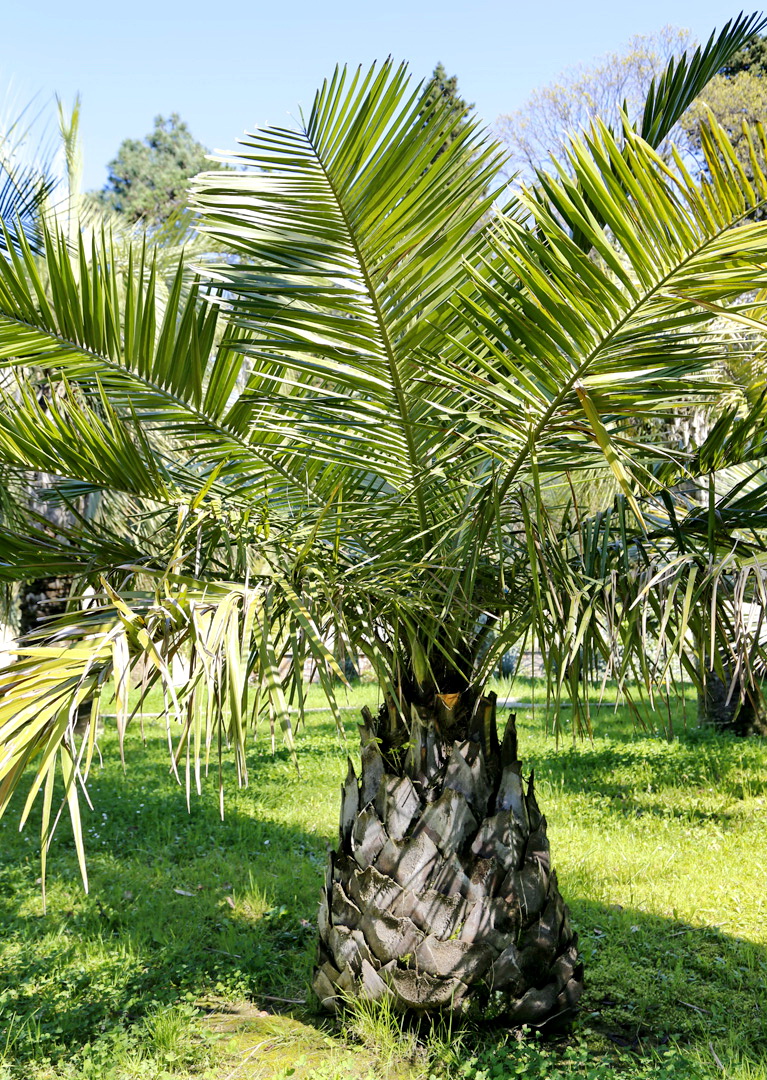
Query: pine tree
[
  {"x": 751, "y": 58},
  {"x": 446, "y": 87}
]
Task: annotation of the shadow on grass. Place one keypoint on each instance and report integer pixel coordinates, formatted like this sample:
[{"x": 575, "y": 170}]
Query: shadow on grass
[
  {"x": 182, "y": 906},
  {"x": 619, "y": 770},
  {"x": 650, "y": 979}
]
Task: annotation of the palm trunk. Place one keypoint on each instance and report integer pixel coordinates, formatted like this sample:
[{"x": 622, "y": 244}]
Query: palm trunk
[
  {"x": 727, "y": 712},
  {"x": 441, "y": 894}
]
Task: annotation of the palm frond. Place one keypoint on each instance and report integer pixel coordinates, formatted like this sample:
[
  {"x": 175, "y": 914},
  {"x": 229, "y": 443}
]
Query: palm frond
[
  {"x": 569, "y": 351},
  {"x": 685, "y": 78},
  {"x": 351, "y": 234},
  {"x": 351, "y": 435}
]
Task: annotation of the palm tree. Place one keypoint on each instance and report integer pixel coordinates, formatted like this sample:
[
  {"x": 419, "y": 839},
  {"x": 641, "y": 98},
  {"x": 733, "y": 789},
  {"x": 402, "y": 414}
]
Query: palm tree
[
  {"x": 345, "y": 436},
  {"x": 679, "y": 599}
]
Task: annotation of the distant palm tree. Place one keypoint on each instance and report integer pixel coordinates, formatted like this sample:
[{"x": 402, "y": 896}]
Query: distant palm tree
[{"x": 351, "y": 436}]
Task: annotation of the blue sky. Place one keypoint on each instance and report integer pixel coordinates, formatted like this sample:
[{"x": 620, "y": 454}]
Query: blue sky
[{"x": 236, "y": 65}]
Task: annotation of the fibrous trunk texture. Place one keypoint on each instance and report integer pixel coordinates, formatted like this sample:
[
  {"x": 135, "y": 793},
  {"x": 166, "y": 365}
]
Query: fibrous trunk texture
[
  {"x": 441, "y": 894},
  {"x": 723, "y": 708}
]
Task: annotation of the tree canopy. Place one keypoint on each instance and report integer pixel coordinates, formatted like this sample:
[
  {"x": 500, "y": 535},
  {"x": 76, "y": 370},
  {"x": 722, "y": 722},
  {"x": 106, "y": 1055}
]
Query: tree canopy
[
  {"x": 541, "y": 127},
  {"x": 751, "y": 58},
  {"x": 149, "y": 178},
  {"x": 443, "y": 87},
  {"x": 736, "y": 96},
  {"x": 735, "y": 100}
]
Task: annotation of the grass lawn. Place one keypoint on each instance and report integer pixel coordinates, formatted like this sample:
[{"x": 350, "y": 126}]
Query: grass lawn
[{"x": 191, "y": 953}]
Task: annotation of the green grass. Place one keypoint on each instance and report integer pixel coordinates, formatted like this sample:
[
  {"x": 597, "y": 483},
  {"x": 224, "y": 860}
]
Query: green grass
[{"x": 194, "y": 927}]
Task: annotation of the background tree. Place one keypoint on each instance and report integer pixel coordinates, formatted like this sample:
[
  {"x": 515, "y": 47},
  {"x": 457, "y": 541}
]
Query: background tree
[
  {"x": 148, "y": 180},
  {"x": 444, "y": 88},
  {"x": 541, "y": 127},
  {"x": 752, "y": 58},
  {"x": 728, "y": 701},
  {"x": 732, "y": 698},
  {"x": 736, "y": 96}
]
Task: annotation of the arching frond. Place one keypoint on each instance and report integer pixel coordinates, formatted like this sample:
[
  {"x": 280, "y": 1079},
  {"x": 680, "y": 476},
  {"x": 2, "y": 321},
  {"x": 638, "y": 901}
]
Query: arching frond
[{"x": 361, "y": 429}]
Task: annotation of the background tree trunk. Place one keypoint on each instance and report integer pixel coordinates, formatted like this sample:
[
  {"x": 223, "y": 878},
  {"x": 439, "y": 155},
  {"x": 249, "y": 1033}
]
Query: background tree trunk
[
  {"x": 747, "y": 717},
  {"x": 42, "y": 598},
  {"x": 46, "y": 596}
]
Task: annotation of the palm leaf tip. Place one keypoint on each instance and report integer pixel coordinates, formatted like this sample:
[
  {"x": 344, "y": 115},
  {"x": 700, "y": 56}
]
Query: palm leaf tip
[{"x": 670, "y": 95}]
